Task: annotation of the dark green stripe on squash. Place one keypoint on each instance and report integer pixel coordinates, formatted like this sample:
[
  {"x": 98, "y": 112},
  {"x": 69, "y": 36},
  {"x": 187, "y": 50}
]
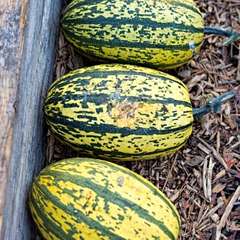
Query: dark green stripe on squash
[
  {"x": 84, "y": 41},
  {"x": 137, "y": 28},
  {"x": 108, "y": 128},
  {"x": 104, "y": 74},
  {"x": 108, "y": 196},
  {"x": 94, "y": 107}
]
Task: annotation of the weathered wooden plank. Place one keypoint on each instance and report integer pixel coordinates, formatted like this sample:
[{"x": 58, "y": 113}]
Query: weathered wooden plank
[
  {"x": 10, "y": 52},
  {"x": 28, "y": 30}
]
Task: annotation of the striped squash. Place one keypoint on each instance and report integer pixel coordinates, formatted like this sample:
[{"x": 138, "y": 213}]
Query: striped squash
[
  {"x": 85, "y": 199},
  {"x": 163, "y": 34},
  {"x": 124, "y": 112}
]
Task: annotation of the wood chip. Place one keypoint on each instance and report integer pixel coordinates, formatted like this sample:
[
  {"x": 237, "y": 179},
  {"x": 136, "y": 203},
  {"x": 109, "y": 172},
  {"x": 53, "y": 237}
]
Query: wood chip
[
  {"x": 204, "y": 177},
  {"x": 220, "y": 174},
  {"x": 215, "y": 153},
  {"x": 218, "y": 188},
  {"x": 203, "y": 148},
  {"x": 215, "y": 218},
  {"x": 235, "y": 145},
  {"x": 209, "y": 179},
  {"x": 214, "y": 209},
  {"x": 227, "y": 211}
]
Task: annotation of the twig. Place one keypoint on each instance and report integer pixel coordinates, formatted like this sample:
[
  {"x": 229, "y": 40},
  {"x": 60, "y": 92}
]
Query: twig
[
  {"x": 226, "y": 213},
  {"x": 214, "y": 209},
  {"x": 175, "y": 196},
  {"x": 238, "y": 68},
  {"x": 215, "y": 153},
  {"x": 204, "y": 177},
  {"x": 203, "y": 148},
  {"x": 169, "y": 173},
  {"x": 203, "y": 225},
  {"x": 218, "y": 141},
  {"x": 196, "y": 192},
  {"x": 235, "y": 145},
  {"x": 209, "y": 178}
]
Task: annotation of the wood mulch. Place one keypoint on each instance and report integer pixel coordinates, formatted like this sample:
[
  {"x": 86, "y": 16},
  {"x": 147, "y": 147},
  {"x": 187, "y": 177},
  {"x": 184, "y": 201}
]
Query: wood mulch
[{"x": 203, "y": 178}]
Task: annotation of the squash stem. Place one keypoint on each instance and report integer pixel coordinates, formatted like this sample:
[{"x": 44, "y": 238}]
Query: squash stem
[
  {"x": 232, "y": 36},
  {"x": 214, "y": 105}
]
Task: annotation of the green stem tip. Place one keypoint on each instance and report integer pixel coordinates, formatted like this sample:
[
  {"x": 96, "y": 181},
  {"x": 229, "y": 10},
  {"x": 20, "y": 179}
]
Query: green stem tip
[
  {"x": 214, "y": 105},
  {"x": 232, "y": 35}
]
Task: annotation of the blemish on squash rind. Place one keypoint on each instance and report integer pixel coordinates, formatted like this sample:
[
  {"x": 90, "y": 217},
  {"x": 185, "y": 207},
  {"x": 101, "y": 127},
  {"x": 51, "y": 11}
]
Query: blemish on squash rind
[{"x": 120, "y": 181}]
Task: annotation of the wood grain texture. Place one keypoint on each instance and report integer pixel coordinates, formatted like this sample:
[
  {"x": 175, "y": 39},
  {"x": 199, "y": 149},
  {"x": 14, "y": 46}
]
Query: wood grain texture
[
  {"x": 28, "y": 30},
  {"x": 10, "y": 53}
]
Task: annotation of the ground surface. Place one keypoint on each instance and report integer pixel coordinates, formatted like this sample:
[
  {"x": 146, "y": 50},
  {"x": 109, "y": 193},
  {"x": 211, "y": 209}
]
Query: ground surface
[{"x": 195, "y": 178}]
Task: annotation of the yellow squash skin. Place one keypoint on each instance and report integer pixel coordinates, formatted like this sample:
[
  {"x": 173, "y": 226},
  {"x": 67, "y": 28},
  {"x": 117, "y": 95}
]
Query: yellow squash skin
[
  {"x": 91, "y": 199},
  {"x": 163, "y": 34},
  {"x": 122, "y": 112}
]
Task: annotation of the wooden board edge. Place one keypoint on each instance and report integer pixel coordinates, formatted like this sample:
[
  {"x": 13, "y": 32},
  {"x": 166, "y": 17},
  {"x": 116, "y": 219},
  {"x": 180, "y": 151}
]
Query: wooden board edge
[{"x": 28, "y": 150}]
